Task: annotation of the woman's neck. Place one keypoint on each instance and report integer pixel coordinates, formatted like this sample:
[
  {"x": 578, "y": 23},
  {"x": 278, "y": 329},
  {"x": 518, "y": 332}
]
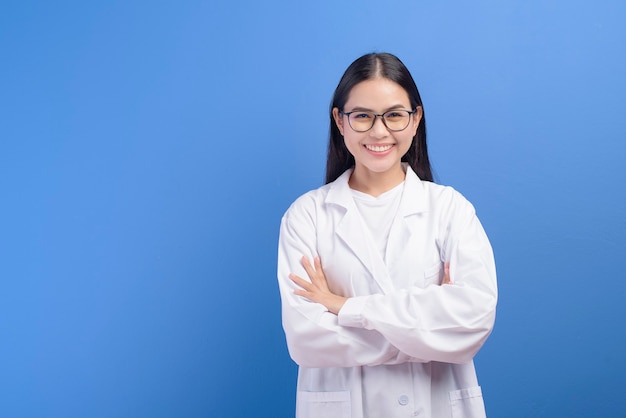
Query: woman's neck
[{"x": 373, "y": 183}]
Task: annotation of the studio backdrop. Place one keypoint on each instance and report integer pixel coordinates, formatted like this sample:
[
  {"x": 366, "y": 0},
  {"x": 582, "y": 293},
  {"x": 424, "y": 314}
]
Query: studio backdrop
[{"x": 149, "y": 149}]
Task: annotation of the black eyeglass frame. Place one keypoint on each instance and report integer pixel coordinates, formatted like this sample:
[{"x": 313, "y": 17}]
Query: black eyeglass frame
[{"x": 382, "y": 116}]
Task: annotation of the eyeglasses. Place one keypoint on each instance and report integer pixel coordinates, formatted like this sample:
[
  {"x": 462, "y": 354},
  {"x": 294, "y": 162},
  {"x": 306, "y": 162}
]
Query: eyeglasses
[{"x": 394, "y": 120}]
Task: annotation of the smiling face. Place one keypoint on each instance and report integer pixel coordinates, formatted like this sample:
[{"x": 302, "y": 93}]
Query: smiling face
[{"x": 377, "y": 152}]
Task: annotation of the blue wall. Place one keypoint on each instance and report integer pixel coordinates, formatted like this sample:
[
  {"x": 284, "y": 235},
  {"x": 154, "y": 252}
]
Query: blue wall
[{"x": 148, "y": 151}]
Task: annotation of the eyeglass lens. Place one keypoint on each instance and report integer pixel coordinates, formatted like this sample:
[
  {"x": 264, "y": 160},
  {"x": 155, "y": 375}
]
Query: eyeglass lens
[{"x": 395, "y": 120}]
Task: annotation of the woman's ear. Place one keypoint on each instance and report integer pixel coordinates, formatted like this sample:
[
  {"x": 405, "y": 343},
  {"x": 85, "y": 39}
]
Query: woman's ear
[
  {"x": 417, "y": 118},
  {"x": 338, "y": 117}
]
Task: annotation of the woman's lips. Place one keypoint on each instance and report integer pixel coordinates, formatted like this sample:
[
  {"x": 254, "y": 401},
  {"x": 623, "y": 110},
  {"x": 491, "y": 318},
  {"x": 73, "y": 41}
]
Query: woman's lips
[{"x": 378, "y": 148}]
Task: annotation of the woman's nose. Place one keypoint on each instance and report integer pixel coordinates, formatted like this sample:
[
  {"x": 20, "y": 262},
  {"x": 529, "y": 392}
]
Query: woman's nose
[{"x": 379, "y": 129}]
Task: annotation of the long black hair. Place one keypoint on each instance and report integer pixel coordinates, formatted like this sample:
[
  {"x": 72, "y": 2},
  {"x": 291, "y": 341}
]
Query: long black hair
[{"x": 365, "y": 68}]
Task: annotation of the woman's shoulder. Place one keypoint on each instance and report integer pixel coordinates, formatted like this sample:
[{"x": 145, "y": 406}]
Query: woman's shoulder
[
  {"x": 441, "y": 190},
  {"x": 309, "y": 201},
  {"x": 430, "y": 190},
  {"x": 444, "y": 198},
  {"x": 333, "y": 192}
]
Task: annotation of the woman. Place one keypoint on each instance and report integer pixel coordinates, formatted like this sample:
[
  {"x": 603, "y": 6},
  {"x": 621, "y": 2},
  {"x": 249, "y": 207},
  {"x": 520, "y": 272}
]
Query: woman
[{"x": 387, "y": 280}]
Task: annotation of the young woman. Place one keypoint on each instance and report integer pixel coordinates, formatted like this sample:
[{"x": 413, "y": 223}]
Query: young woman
[{"x": 387, "y": 280}]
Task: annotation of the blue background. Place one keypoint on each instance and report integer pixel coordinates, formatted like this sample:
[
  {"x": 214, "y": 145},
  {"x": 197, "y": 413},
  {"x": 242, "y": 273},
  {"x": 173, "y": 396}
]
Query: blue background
[{"x": 149, "y": 149}]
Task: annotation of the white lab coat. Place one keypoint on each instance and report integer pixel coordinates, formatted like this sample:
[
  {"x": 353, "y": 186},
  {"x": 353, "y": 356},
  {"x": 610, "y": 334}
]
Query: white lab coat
[{"x": 402, "y": 345}]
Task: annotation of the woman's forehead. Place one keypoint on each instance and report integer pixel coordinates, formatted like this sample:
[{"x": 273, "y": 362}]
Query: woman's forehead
[{"x": 377, "y": 93}]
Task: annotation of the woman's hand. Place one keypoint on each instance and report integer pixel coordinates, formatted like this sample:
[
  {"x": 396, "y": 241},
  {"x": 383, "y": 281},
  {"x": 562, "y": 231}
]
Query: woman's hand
[{"x": 317, "y": 289}]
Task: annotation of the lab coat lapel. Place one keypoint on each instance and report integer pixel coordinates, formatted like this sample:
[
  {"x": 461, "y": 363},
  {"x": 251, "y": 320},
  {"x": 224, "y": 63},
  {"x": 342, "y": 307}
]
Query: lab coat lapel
[
  {"x": 412, "y": 203},
  {"x": 353, "y": 232}
]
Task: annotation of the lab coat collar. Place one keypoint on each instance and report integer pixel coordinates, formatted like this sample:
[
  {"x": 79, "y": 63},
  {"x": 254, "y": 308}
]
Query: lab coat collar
[{"x": 413, "y": 199}]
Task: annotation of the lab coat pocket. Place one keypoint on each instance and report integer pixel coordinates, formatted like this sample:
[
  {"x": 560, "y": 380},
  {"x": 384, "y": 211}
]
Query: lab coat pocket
[
  {"x": 323, "y": 404},
  {"x": 433, "y": 274},
  {"x": 467, "y": 403}
]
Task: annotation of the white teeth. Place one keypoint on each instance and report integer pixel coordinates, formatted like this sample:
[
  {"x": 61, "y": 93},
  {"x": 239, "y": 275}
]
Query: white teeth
[{"x": 378, "y": 148}]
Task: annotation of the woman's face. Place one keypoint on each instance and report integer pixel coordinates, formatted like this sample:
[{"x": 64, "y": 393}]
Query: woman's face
[{"x": 377, "y": 150}]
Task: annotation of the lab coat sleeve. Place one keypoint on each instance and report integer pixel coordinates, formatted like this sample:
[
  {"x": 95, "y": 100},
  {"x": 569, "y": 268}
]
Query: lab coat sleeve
[
  {"x": 447, "y": 323},
  {"x": 314, "y": 336}
]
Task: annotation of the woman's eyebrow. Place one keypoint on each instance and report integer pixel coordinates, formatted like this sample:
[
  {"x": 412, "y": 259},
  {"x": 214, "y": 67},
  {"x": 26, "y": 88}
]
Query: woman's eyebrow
[{"x": 365, "y": 109}]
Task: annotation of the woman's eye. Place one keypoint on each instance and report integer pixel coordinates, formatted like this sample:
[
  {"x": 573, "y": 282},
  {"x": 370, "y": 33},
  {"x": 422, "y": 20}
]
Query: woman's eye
[
  {"x": 394, "y": 115},
  {"x": 361, "y": 116}
]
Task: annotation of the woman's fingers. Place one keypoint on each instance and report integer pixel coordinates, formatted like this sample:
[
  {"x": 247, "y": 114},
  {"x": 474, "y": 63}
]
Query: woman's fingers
[
  {"x": 446, "y": 274},
  {"x": 317, "y": 289},
  {"x": 308, "y": 268},
  {"x": 313, "y": 273},
  {"x": 316, "y": 274},
  {"x": 306, "y": 285},
  {"x": 318, "y": 264}
]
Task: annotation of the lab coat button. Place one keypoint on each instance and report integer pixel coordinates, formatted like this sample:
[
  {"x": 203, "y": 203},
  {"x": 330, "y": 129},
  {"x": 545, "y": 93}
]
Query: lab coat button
[{"x": 403, "y": 400}]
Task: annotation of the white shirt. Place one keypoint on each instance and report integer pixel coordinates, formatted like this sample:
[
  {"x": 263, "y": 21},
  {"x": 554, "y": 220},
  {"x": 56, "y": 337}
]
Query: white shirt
[
  {"x": 378, "y": 214},
  {"x": 402, "y": 345}
]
